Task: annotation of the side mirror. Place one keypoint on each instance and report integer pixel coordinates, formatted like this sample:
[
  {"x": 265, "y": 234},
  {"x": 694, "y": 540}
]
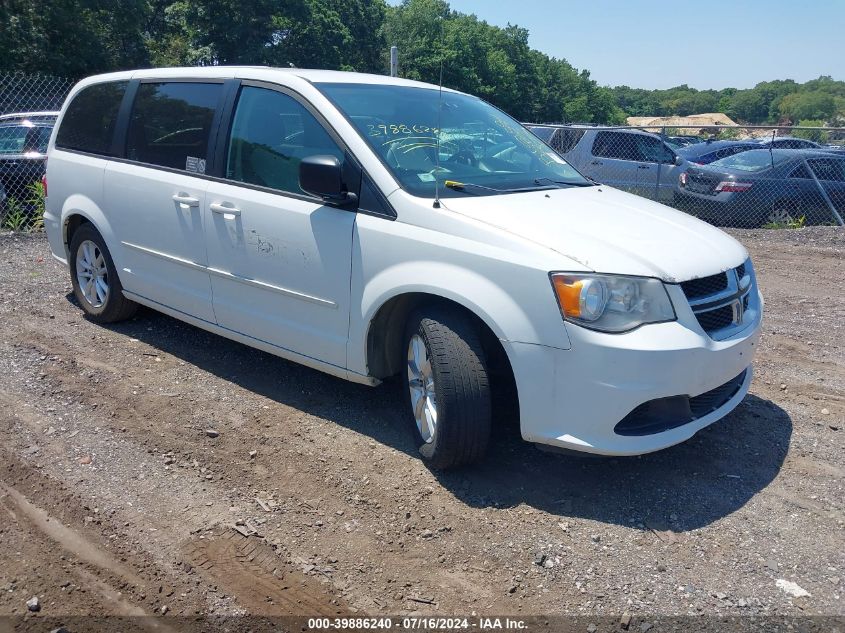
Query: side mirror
[
  {"x": 322, "y": 176},
  {"x": 679, "y": 160}
]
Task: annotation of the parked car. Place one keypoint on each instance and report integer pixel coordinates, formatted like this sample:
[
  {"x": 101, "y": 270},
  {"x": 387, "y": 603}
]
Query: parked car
[
  {"x": 23, "y": 151},
  {"x": 789, "y": 142},
  {"x": 678, "y": 141},
  {"x": 757, "y": 187},
  {"x": 487, "y": 277},
  {"x": 561, "y": 139},
  {"x": 631, "y": 160},
  {"x": 708, "y": 151}
]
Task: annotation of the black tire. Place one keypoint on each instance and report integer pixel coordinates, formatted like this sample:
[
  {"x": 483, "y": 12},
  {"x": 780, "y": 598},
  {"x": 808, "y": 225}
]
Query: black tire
[
  {"x": 461, "y": 387},
  {"x": 115, "y": 307}
]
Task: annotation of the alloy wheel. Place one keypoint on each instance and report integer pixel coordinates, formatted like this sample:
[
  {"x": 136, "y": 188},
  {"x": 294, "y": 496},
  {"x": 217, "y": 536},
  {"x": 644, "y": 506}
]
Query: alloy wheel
[
  {"x": 92, "y": 274},
  {"x": 421, "y": 385}
]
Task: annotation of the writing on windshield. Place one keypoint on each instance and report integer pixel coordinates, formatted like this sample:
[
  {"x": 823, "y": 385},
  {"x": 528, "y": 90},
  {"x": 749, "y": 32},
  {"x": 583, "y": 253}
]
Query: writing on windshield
[{"x": 424, "y": 138}]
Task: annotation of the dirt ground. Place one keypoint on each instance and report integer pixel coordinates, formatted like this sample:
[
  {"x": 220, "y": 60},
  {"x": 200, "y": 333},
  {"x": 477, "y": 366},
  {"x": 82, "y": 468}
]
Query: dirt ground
[{"x": 151, "y": 468}]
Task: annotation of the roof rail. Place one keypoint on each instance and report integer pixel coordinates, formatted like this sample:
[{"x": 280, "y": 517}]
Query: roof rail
[{"x": 23, "y": 115}]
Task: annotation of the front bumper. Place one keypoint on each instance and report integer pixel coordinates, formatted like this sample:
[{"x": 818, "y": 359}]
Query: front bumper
[{"x": 575, "y": 398}]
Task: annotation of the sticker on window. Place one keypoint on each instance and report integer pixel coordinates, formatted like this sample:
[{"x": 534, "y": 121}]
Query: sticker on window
[
  {"x": 194, "y": 164},
  {"x": 426, "y": 177}
]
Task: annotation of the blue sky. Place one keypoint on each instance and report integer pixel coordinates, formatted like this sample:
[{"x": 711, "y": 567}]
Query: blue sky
[{"x": 660, "y": 43}]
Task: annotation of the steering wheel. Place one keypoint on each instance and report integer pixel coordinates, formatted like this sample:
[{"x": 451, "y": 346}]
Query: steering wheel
[{"x": 464, "y": 157}]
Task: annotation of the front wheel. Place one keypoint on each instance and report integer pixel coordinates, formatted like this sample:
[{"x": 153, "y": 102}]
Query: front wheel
[
  {"x": 446, "y": 386},
  {"x": 94, "y": 278}
]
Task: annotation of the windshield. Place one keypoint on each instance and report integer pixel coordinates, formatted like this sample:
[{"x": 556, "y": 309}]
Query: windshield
[
  {"x": 752, "y": 160},
  {"x": 482, "y": 151}
]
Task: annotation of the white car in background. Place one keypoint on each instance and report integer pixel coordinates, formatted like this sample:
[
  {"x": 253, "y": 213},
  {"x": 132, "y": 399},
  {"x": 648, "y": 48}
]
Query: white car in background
[
  {"x": 367, "y": 226},
  {"x": 632, "y": 160}
]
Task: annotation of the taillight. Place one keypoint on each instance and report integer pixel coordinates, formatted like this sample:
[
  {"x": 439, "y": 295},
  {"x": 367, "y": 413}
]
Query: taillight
[
  {"x": 729, "y": 186},
  {"x": 44, "y": 184}
]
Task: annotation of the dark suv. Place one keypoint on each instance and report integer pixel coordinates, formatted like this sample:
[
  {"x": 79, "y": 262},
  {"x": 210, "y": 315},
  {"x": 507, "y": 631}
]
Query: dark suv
[{"x": 23, "y": 154}]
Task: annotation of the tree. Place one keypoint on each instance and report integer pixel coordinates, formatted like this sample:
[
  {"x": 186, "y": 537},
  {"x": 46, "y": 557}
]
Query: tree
[
  {"x": 748, "y": 106},
  {"x": 75, "y": 38},
  {"x": 813, "y": 105},
  {"x": 72, "y": 38},
  {"x": 494, "y": 63},
  {"x": 817, "y": 134}
]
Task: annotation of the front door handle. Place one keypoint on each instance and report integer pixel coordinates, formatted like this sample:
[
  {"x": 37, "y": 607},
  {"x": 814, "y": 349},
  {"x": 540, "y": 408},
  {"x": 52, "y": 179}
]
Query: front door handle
[
  {"x": 596, "y": 162},
  {"x": 643, "y": 167},
  {"x": 185, "y": 199},
  {"x": 217, "y": 207}
]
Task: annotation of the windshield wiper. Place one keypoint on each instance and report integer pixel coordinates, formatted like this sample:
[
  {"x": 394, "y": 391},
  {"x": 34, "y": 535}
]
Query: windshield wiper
[
  {"x": 461, "y": 186},
  {"x": 588, "y": 183}
]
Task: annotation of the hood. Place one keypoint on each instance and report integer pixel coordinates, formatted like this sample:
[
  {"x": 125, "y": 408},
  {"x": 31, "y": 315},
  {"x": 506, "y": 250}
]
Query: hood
[{"x": 609, "y": 231}]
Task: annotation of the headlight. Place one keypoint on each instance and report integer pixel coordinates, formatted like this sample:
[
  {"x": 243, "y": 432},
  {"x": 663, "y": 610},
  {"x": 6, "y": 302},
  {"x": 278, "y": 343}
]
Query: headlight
[{"x": 610, "y": 303}]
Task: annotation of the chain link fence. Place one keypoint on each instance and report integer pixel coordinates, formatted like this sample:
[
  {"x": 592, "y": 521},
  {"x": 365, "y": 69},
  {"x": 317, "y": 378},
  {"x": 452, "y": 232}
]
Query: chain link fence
[
  {"x": 727, "y": 175},
  {"x": 28, "y": 107}
]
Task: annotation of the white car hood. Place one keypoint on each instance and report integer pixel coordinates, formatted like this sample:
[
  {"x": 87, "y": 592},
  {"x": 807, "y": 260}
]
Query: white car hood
[{"x": 609, "y": 231}]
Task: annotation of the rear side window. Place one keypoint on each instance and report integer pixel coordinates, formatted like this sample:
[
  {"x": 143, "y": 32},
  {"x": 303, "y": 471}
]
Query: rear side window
[
  {"x": 793, "y": 144},
  {"x": 828, "y": 169},
  {"x": 89, "y": 121},
  {"x": 170, "y": 124},
  {"x": 616, "y": 145}
]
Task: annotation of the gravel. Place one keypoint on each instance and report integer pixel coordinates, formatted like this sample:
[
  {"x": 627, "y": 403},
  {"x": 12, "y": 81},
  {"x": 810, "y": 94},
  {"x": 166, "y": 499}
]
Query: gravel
[{"x": 148, "y": 440}]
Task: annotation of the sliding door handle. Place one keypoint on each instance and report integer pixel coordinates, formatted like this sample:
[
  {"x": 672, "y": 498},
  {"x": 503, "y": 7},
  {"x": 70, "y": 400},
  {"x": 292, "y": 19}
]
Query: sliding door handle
[
  {"x": 223, "y": 209},
  {"x": 185, "y": 199}
]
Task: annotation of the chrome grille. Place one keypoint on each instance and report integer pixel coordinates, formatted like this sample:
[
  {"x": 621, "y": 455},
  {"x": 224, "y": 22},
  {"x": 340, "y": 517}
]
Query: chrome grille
[{"x": 719, "y": 301}]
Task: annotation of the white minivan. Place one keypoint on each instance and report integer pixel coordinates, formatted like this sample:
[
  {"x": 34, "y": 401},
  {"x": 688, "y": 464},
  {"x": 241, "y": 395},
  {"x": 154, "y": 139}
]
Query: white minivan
[{"x": 369, "y": 226}]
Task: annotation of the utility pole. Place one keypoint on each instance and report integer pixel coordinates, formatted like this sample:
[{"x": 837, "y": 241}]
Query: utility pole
[{"x": 394, "y": 61}]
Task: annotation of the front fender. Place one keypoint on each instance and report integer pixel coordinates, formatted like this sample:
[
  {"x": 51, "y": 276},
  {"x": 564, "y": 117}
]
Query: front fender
[
  {"x": 480, "y": 295},
  {"x": 500, "y": 308}
]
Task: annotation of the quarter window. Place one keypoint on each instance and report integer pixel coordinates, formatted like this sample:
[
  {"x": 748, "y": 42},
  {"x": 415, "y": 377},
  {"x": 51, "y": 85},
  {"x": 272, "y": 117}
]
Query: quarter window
[
  {"x": 271, "y": 134},
  {"x": 567, "y": 139},
  {"x": 89, "y": 121},
  {"x": 170, "y": 124}
]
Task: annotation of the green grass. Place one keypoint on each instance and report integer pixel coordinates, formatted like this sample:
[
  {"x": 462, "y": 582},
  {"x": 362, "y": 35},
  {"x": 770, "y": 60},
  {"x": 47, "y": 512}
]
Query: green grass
[
  {"x": 27, "y": 216},
  {"x": 789, "y": 224}
]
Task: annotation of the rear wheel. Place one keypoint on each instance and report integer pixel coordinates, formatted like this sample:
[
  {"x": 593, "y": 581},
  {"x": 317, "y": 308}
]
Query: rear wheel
[
  {"x": 94, "y": 278},
  {"x": 446, "y": 387}
]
